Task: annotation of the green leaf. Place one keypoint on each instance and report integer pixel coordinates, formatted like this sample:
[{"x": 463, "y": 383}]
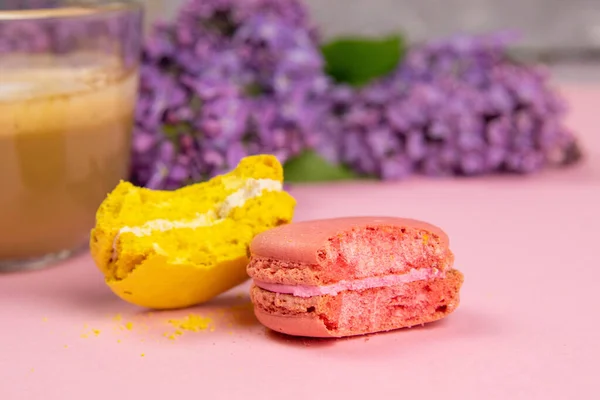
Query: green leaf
[
  {"x": 170, "y": 131},
  {"x": 181, "y": 128},
  {"x": 253, "y": 90},
  {"x": 358, "y": 61},
  {"x": 311, "y": 167}
]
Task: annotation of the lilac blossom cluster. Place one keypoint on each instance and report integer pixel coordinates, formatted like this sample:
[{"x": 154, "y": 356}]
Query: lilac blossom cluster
[
  {"x": 225, "y": 80},
  {"x": 460, "y": 106}
]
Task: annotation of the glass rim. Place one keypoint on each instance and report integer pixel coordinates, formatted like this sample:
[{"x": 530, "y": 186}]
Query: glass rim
[{"x": 73, "y": 11}]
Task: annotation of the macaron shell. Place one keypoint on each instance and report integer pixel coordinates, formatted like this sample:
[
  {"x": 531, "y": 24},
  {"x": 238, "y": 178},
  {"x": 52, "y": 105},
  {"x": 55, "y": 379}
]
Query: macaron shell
[
  {"x": 300, "y": 242},
  {"x": 359, "y": 312},
  {"x": 308, "y": 326},
  {"x": 158, "y": 284},
  {"x": 323, "y": 252}
]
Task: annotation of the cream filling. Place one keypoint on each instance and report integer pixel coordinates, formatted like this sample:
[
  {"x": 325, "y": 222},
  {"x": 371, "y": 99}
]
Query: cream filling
[
  {"x": 356, "y": 284},
  {"x": 251, "y": 189}
]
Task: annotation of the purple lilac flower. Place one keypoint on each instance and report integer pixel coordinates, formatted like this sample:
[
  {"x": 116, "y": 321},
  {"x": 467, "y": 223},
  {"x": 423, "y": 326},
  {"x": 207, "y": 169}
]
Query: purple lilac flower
[
  {"x": 284, "y": 68},
  {"x": 226, "y": 80},
  {"x": 453, "y": 107},
  {"x": 220, "y": 19}
]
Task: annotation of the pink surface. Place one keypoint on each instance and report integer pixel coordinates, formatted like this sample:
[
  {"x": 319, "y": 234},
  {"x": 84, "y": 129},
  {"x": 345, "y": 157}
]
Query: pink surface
[
  {"x": 527, "y": 326},
  {"x": 356, "y": 284}
]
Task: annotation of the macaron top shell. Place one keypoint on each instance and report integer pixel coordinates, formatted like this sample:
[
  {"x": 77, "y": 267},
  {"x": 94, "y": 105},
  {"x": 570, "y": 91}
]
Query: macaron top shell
[
  {"x": 301, "y": 241},
  {"x": 321, "y": 252}
]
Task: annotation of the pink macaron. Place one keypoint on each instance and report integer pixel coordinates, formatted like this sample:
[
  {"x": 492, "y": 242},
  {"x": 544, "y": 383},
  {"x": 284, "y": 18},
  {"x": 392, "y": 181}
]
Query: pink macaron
[{"x": 352, "y": 276}]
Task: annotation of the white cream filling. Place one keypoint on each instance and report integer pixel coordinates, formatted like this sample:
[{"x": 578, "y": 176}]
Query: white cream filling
[
  {"x": 252, "y": 188},
  {"x": 164, "y": 224}
]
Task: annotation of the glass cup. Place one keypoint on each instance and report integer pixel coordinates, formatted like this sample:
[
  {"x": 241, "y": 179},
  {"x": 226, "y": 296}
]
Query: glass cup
[{"x": 68, "y": 87}]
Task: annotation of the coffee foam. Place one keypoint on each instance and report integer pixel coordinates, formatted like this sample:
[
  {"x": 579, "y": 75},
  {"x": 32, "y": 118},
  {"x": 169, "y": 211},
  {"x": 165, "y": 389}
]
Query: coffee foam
[{"x": 41, "y": 93}]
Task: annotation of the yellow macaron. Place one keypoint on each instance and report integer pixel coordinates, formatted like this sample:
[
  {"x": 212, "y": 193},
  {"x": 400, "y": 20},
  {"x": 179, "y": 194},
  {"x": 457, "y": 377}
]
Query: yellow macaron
[{"x": 174, "y": 249}]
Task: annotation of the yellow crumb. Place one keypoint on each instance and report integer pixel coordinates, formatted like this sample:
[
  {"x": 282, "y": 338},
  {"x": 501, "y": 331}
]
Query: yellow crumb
[
  {"x": 117, "y": 317},
  {"x": 118, "y": 340},
  {"x": 96, "y": 332},
  {"x": 84, "y": 336},
  {"x": 129, "y": 326},
  {"x": 45, "y": 319},
  {"x": 66, "y": 346},
  {"x": 192, "y": 322},
  {"x": 425, "y": 239},
  {"x": 31, "y": 370},
  {"x": 143, "y": 355}
]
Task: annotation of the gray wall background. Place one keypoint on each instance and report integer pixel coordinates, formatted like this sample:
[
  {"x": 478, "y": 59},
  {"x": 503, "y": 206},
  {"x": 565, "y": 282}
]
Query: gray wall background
[{"x": 546, "y": 25}]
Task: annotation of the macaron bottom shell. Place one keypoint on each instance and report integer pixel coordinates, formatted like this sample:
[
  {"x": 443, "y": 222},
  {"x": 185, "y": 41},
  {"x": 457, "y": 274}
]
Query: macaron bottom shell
[
  {"x": 353, "y": 313},
  {"x": 159, "y": 284}
]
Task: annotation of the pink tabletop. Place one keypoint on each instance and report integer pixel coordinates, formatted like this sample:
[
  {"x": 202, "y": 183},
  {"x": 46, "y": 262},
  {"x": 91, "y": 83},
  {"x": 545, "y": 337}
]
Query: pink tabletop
[{"x": 527, "y": 327}]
